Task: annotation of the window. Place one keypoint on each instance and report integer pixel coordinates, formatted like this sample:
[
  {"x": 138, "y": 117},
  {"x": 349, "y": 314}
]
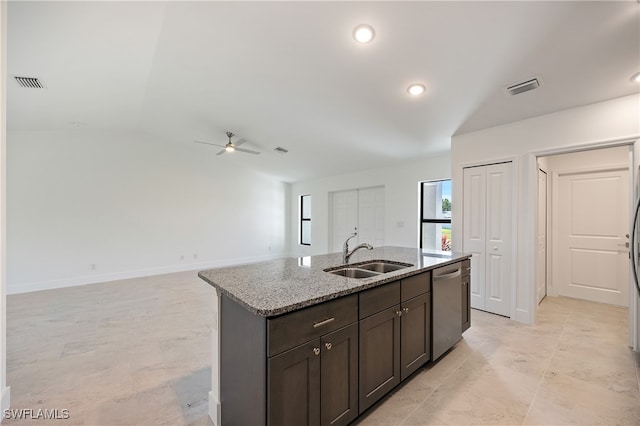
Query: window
[
  {"x": 435, "y": 216},
  {"x": 305, "y": 220}
]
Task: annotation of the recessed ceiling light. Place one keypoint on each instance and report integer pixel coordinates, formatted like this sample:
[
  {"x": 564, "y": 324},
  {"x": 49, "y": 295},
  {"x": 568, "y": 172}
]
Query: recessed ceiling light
[
  {"x": 363, "y": 33},
  {"x": 636, "y": 77},
  {"x": 416, "y": 89}
]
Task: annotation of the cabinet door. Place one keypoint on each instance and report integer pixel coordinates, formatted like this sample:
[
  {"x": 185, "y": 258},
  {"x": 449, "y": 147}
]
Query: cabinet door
[
  {"x": 379, "y": 355},
  {"x": 415, "y": 334},
  {"x": 294, "y": 386},
  {"x": 339, "y": 376}
]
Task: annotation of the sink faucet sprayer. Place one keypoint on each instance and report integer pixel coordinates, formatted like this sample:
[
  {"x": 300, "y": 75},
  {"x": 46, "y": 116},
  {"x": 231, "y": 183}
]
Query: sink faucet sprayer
[{"x": 346, "y": 254}]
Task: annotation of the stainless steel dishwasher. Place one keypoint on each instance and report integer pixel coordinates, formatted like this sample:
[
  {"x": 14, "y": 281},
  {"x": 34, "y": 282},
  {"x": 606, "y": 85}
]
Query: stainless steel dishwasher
[{"x": 446, "y": 299}]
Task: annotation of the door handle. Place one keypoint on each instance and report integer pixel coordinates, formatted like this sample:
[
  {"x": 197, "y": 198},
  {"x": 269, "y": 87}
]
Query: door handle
[{"x": 624, "y": 245}]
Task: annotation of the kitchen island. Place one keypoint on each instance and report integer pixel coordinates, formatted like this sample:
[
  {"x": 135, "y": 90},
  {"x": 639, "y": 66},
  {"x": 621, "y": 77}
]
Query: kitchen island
[{"x": 295, "y": 343}]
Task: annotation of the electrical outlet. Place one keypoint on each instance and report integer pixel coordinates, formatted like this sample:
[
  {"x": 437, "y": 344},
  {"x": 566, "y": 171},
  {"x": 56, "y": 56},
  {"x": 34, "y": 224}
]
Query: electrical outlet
[
  {"x": 92, "y": 266},
  {"x": 195, "y": 255},
  {"x": 182, "y": 257}
]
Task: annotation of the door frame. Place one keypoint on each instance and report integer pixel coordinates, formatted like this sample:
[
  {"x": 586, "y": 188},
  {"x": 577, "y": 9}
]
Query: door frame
[
  {"x": 555, "y": 213},
  {"x": 531, "y": 200},
  {"x": 515, "y": 201},
  {"x": 547, "y": 227}
]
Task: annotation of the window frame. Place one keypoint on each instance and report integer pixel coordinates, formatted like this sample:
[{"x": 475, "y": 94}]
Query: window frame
[
  {"x": 422, "y": 218},
  {"x": 304, "y": 219}
]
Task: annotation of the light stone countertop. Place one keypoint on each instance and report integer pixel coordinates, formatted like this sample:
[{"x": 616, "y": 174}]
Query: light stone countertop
[{"x": 279, "y": 286}]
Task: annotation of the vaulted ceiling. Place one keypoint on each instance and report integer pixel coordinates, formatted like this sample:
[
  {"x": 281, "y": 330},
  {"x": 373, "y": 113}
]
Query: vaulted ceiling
[{"x": 289, "y": 74}]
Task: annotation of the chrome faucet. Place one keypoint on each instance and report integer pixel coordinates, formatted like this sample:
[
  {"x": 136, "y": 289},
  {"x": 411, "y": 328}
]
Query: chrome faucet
[{"x": 346, "y": 254}]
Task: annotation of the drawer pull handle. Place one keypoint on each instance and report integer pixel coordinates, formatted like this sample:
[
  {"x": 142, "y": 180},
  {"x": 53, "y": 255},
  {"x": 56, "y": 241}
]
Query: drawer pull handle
[
  {"x": 399, "y": 313},
  {"x": 321, "y": 323},
  {"x": 467, "y": 269},
  {"x": 328, "y": 345},
  {"x": 405, "y": 310},
  {"x": 316, "y": 351}
]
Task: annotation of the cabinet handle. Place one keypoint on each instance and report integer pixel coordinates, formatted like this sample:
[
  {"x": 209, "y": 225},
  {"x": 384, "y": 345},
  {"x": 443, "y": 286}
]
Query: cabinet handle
[
  {"x": 321, "y": 323},
  {"x": 328, "y": 345},
  {"x": 316, "y": 351},
  {"x": 399, "y": 313},
  {"x": 405, "y": 310}
]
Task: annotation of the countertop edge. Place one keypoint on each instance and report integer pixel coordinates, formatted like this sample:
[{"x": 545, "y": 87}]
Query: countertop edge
[{"x": 377, "y": 281}]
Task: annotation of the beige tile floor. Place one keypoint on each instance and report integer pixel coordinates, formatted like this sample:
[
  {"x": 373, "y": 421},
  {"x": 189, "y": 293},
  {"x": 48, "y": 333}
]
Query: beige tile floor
[{"x": 137, "y": 352}]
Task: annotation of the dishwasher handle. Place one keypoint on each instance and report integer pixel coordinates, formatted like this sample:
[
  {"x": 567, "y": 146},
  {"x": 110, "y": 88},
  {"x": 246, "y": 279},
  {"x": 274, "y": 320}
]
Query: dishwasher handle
[{"x": 454, "y": 274}]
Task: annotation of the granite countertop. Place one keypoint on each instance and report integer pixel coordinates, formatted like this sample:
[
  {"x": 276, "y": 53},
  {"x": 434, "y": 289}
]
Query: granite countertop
[{"x": 278, "y": 286}]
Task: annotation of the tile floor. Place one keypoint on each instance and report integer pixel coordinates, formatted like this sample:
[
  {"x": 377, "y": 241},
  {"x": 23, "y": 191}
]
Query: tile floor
[{"x": 137, "y": 352}]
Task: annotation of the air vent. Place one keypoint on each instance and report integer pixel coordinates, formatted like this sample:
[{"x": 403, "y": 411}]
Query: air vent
[
  {"x": 281, "y": 150},
  {"x": 525, "y": 86},
  {"x": 29, "y": 82}
]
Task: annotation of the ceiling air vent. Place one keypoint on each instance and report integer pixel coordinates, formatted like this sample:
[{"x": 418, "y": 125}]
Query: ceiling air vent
[
  {"x": 29, "y": 82},
  {"x": 525, "y": 86},
  {"x": 281, "y": 150}
]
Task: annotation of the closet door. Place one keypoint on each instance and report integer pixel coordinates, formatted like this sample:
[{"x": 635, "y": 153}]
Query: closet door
[
  {"x": 487, "y": 216},
  {"x": 498, "y": 238},
  {"x": 371, "y": 216},
  {"x": 344, "y": 217},
  {"x": 361, "y": 209},
  {"x": 474, "y": 219}
]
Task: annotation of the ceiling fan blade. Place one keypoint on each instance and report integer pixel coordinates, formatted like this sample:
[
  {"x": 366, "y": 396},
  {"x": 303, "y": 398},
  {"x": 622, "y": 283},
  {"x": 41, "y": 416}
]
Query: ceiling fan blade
[
  {"x": 240, "y": 142},
  {"x": 248, "y": 151},
  {"x": 222, "y": 152},
  {"x": 209, "y": 143}
]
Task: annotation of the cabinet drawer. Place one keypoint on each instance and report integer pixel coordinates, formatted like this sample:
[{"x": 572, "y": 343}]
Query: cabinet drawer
[
  {"x": 379, "y": 298},
  {"x": 298, "y": 327},
  {"x": 415, "y": 285}
]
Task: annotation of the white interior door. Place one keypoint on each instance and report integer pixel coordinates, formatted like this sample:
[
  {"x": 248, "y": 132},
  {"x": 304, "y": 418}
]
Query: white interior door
[
  {"x": 371, "y": 216},
  {"x": 474, "y": 219},
  {"x": 542, "y": 236},
  {"x": 361, "y": 209},
  {"x": 487, "y": 216},
  {"x": 344, "y": 217},
  {"x": 498, "y": 249},
  {"x": 593, "y": 220}
]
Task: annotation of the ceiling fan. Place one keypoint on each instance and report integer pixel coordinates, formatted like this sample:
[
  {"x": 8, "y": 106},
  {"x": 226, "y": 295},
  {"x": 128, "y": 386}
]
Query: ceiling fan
[{"x": 230, "y": 146}]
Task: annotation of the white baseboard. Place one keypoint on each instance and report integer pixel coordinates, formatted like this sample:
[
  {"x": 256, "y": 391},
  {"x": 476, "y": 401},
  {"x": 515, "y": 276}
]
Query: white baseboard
[
  {"x": 16, "y": 288},
  {"x": 5, "y": 401},
  {"x": 214, "y": 410}
]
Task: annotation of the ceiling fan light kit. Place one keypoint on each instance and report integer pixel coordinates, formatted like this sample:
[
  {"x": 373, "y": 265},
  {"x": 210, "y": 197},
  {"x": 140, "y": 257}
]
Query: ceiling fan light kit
[{"x": 230, "y": 146}]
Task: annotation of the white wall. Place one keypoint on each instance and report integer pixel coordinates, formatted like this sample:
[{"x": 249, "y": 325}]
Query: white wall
[
  {"x": 590, "y": 125},
  {"x": 401, "y": 199},
  {"x": 131, "y": 205},
  {"x": 4, "y": 390}
]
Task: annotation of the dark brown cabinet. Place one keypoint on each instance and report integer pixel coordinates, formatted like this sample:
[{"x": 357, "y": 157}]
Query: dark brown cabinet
[
  {"x": 395, "y": 335},
  {"x": 294, "y": 386},
  {"x": 466, "y": 295},
  {"x": 379, "y": 355},
  {"x": 415, "y": 334},
  {"x": 339, "y": 376},
  {"x": 316, "y": 383}
]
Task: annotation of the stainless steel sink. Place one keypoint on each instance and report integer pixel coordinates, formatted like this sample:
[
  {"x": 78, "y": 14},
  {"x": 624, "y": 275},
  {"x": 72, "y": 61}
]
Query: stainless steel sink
[
  {"x": 354, "y": 273},
  {"x": 367, "y": 269},
  {"x": 383, "y": 267}
]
